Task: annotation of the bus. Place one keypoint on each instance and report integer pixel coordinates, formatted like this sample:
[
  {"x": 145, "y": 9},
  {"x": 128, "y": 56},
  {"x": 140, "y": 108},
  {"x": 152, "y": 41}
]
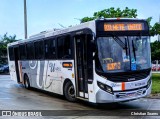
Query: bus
[{"x": 100, "y": 61}]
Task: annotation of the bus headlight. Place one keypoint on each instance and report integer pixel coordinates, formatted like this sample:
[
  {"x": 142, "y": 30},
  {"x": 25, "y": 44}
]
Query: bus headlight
[
  {"x": 148, "y": 83},
  {"x": 105, "y": 87}
]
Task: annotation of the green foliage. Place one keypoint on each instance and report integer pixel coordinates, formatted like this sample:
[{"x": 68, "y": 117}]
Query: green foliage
[
  {"x": 155, "y": 30},
  {"x": 129, "y": 13},
  {"x": 126, "y": 13},
  {"x": 112, "y": 13},
  {"x": 155, "y": 83},
  {"x": 155, "y": 50},
  {"x": 149, "y": 19},
  {"x": 3, "y": 46}
]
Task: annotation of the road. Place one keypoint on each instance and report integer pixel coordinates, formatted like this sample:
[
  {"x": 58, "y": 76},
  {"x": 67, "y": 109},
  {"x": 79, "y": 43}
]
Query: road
[{"x": 15, "y": 97}]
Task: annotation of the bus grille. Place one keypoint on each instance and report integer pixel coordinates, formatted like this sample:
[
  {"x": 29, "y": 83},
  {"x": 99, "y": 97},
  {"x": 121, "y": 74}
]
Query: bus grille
[
  {"x": 130, "y": 94},
  {"x": 126, "y": 77}
]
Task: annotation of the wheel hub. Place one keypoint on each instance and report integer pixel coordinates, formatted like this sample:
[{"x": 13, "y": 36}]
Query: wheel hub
[{"x": 71, "y": 91}]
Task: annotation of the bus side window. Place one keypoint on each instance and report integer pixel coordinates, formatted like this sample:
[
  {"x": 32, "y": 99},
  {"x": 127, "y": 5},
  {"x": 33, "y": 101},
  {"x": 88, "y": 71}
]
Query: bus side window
[
  {"x": 11, "y": 54},
  {"x": 67, "y": 47},
  {"x": 53, "y": 48},
  {"x": 22, "y": 49},
  {"x": 64, "y": 47},
  {"x": 30, "y": 51},
  {"x": 46, "y": 48},
  {"x": 49, "y": 47},
  {"x": 39, "y": 50},
  {"x": 36, "y": 44}
]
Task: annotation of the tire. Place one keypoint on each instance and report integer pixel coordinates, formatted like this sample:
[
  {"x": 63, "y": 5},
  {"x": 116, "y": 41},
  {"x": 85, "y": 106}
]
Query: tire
[
  {"x": 69, "y": 92},
  {"x": 26, "y": 82}
]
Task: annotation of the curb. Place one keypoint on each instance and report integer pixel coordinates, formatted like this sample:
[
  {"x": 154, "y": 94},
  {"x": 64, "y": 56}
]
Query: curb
[{"x": 154, "y": 96}]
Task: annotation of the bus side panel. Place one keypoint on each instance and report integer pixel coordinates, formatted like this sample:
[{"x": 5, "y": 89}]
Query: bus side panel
[
  {"x": 30, "y": 69},
  {"x": 12, "y": 70},
  {"x": 23, "y": 69},
  {"x": 36, "y": 70},
  {"x": 42, "y": 74},
  {"x": 64, "y": 73},
  {"x": 92, "y": 87},
  {"x": 38, "y": 80},
  {"x": 50, "y": 75}
]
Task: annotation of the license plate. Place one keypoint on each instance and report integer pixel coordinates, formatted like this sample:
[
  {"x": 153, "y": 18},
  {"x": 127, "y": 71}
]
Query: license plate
[{"x": 131, "y": 94}]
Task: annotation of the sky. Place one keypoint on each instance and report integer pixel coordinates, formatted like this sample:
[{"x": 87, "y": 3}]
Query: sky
[{"x": 48, "y": 14}]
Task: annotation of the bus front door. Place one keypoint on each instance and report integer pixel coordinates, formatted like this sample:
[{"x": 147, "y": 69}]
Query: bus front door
[{"x": 84, "y": 64}]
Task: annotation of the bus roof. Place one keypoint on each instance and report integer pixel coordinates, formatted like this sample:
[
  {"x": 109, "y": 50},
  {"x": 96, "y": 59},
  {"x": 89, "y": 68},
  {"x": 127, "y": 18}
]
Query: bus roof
[
  {"x": 45, "y": 34},
  {"x": 54, "y": 32}
]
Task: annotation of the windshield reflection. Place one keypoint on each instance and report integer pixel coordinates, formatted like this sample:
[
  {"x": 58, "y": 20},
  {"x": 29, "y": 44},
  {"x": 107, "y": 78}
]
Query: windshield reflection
[
  {"x": 140, "y": 53},
  {"x": 123, "y": 53}
]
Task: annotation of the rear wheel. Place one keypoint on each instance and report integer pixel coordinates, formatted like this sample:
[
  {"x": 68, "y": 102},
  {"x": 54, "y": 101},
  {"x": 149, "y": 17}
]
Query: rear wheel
[
  {"x": 69, "y": 92},
  {"x": 26, "y": 82}
]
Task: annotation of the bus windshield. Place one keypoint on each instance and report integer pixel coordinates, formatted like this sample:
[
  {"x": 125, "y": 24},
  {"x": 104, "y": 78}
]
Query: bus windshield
[{"x": 125, "y": 53}]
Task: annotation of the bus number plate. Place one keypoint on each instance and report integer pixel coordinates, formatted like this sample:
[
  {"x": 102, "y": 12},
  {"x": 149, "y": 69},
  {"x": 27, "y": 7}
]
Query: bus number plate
[{"x": 131, "y": 94}]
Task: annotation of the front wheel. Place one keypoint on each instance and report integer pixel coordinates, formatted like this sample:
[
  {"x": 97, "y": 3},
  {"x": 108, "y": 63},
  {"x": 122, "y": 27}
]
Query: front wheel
[
  {"x": 26, "y": 82},
  {"x": 69, "y": 92}
]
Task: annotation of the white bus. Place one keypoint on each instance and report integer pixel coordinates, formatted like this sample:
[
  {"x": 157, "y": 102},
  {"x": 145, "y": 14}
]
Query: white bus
[{"x": 100, "y": 61}]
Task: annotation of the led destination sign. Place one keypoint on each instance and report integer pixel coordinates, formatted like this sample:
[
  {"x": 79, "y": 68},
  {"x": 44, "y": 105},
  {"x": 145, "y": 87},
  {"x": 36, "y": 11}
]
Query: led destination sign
[{"x": 123, "y": 26}]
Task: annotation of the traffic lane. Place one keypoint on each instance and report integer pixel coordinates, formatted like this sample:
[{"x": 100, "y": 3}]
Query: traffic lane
[{"x": 15, "y": 97}]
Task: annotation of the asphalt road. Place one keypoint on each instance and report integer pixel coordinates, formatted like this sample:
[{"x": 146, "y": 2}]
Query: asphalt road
[{"x": 15, "y": 97}]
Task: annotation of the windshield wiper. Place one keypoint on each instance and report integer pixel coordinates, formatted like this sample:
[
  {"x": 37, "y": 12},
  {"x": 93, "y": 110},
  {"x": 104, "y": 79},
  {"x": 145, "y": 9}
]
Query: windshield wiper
[
  {"x": 126, "y": 47},
  {"x": 120, "y": 42},
  {"x": 134, "y": 50}
]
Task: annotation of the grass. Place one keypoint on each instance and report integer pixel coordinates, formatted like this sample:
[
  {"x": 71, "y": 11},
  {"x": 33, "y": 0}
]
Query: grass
[{"x": 155, "y": 83}]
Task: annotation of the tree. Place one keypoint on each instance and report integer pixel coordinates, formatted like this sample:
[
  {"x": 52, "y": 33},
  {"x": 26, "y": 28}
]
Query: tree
[
  {"x": 3, "y": 46},
  {"x": 155, "y": 29},
  {"x": 129, "y": 13},
  {"x": 155, "y": 50},
  {"x": 112, "y": 13},
  {"x": 155, "y": 46},
  {"x": 126, "y": 13}
]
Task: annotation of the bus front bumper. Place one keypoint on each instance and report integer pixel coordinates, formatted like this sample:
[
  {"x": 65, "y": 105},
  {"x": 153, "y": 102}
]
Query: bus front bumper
[{"x": 104, "y": 97}]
